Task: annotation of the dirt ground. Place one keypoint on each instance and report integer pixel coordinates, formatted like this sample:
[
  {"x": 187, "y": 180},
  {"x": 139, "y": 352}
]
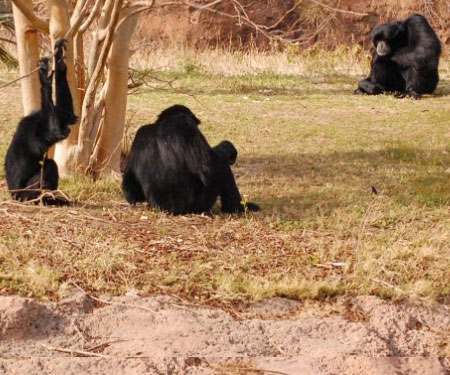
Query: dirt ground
[{"x": 163, "y": 335}]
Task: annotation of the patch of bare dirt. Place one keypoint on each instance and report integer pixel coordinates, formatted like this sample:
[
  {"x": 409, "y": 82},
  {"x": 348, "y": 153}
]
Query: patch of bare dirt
[{"x": 161, "y": 335}]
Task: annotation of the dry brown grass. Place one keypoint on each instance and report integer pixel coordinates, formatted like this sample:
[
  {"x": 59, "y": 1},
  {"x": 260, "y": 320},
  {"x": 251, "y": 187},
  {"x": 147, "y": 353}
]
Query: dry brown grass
[
  {"x": 293, "y": 61},
  {"x": 312, "y": 62}
]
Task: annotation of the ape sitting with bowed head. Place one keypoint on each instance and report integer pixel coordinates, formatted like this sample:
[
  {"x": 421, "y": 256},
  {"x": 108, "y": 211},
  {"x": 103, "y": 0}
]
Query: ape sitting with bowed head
[
  {"x": 406, "y": 59},
  {"x": 28, "y": 170},
  {"x": 173, "y": 168}
]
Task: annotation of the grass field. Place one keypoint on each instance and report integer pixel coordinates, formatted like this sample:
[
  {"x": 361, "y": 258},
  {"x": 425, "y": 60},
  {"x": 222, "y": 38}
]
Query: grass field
[{"x": 310, "y": 153}]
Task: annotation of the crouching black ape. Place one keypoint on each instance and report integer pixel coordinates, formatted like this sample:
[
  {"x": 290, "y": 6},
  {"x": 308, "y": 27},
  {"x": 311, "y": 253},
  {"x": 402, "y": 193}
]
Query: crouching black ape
[
  {"x": 406, "y": 59},
  {"x": 173, "y": 168},
  {"x": 28, "y": 170}
]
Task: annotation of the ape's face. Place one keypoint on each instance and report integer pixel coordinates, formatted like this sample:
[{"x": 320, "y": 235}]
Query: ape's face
[{"x": 388, "y": 38}]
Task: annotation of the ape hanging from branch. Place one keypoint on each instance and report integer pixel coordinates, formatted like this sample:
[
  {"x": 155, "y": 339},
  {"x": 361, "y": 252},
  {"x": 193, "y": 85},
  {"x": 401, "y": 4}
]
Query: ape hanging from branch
[
  {"x": 28, "y": 170},
  {"x": 173, "y": 168},
  {"x": 406, "y": 59}
]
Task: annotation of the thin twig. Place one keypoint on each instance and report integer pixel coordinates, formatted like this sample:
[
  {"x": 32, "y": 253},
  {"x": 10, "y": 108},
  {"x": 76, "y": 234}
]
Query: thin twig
[
  {"x": 339, "y": 10},
  {"x": 389, "y": 285},
  {"x": 81, "y": 353},
  {"x": 250, "y": 369},
  {"x": 105, "y": 345},
  {"x": 20, "y": 78},
  {"x": 78, "y": 331}
]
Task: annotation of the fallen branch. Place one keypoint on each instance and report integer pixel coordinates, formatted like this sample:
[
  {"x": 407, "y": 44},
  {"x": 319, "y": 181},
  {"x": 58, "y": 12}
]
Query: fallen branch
[
  {"x": 104, "y": 345},
  {"x": 79, "y": 353},
  {"x": 247, "y": 369}
]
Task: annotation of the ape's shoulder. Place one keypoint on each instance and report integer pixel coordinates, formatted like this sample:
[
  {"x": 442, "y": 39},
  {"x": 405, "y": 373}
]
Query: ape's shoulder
[
  {"x": 145, "y": 138},
  {"x": 418, "y": 23},
  {"x": 416, "y": 17},
  {"x": 26, "y": 128},
  {"x": 177, "y": 125},
  {"x": 421, "y": 34},
  {"x": 145, "y": 131}
]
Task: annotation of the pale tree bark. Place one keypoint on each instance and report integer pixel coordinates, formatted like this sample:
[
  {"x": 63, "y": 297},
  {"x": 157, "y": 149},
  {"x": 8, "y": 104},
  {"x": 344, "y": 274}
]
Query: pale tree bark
[
  {"x": 99, "y": 36},
  {"x": 58, "y": 11},
  {"x": 90, "y": 111},
  {"x": 28, "y": 56},
  {"x": 107, "y": 151},
  {"x": 26, "y": 8}
]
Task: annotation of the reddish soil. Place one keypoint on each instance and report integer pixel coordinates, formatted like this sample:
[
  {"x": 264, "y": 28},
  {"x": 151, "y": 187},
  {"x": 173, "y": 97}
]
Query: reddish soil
[
  {"x": 163, "y": 335},
  {"x": 318, "y": 24}
]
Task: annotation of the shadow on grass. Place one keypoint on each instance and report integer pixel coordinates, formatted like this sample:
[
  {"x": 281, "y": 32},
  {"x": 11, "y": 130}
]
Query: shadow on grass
[
  {"x": 271, "y": 85},
  {"x": 304, "y": 185},
  {"x": 443, "y": 88},
  {"x": 290, "y": 85}
]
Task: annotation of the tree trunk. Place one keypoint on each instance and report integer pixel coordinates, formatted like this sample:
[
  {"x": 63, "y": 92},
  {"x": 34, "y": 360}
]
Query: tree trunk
[
  {"x": 106, "y": 157},
  {"x": 28, "y": 55},
  {"x": 90, "y": 109},
  {"x": 94, "y": 145},
  {"x": 59, "y": 25}
]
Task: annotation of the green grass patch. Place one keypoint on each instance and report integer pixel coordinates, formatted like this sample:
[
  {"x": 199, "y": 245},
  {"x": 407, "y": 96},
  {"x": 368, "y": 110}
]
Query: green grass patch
[{"x": 310, "y": 152}]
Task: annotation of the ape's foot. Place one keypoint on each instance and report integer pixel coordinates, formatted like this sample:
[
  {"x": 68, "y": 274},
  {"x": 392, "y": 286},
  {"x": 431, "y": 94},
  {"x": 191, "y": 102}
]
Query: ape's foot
[
  {"x": 54, "y": 198},
  {"x": 253, "y": 207},
  {"x": 243, "y": 207},
  {"x": 410, "y": 94},
  {"x": 57, "y": 201},
  {"x": 414, "y": 95},
  {"x": 399, "y": 95},
  {"x": 60, "y": 51}
]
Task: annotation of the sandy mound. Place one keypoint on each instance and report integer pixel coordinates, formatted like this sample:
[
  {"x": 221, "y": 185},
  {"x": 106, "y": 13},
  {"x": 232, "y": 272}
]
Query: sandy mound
[{"x": 159, "y": 335}]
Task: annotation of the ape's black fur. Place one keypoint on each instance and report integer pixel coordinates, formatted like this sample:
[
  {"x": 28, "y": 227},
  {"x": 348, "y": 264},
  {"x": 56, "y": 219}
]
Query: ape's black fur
[
  {"x": 27, "y": 169},
  {"x": 406, "y": 59},
  {"x": 173, "y": 168}
]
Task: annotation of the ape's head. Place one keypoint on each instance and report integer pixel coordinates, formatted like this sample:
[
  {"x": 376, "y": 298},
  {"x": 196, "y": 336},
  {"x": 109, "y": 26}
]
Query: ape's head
[
  {"x": 389, "y": 37},
  {"x": 178, "y": 109},
  {"x": 226, "y": 151}
]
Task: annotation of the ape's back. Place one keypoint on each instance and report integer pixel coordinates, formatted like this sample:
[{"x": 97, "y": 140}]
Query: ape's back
[
  {"x": 169, "y": 164},
  {"x": 24, "y": 152},
  {"x": 421, "y": 35},
  {"x": 427, "y": 51}
]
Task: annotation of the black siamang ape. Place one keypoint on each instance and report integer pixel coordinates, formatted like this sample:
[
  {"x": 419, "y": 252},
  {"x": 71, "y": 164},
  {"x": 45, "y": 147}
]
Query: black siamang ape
[
  {"x": 406, "y": 59},
  {"x": 28, "y": 170},
  {"x": 173, "y": 168}
]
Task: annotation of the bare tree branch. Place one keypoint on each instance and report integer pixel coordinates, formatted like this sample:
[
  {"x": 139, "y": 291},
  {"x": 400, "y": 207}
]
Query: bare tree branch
[
  {"x": 270, "y": 32},
  {"x": 91, "y": 16},
  {"x": 84, "y": 141},
  {"x": 77, "y": 10},
  {"x": 77, "y": 18},
  {"x": 37, "y": 22},
  {"x": 338, "y": 10}
]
